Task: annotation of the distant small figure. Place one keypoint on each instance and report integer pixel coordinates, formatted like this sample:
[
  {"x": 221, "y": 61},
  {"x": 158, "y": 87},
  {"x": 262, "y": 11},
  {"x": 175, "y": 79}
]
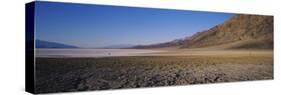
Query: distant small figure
[{"x": 109, "y": 53}]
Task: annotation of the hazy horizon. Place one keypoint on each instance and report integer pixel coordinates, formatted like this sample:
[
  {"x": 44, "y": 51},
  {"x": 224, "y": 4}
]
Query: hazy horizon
[{"x": 92, "y": 26}]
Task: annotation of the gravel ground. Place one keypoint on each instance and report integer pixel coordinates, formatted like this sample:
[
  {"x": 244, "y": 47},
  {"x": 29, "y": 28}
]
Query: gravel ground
[{"x": 82, "y": 74}]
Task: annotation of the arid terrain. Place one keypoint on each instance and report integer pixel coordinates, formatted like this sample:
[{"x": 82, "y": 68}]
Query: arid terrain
[
  {"x": 196, "y": 67},
  {"x": 239, "y": 49}
]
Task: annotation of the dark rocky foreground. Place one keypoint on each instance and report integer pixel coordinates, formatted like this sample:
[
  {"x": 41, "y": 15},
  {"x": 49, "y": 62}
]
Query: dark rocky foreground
[{"x": 81, "y": 74}]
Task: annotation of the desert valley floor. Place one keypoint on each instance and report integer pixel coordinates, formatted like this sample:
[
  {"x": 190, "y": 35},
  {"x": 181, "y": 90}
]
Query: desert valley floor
[{"x": 175, "y": 67}]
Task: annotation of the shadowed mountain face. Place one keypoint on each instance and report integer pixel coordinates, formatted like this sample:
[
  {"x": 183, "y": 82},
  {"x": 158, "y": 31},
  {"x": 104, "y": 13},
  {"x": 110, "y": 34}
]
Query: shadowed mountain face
[
  {"x": 241, "y": 31},
  {"x": 46, "y": 44}
]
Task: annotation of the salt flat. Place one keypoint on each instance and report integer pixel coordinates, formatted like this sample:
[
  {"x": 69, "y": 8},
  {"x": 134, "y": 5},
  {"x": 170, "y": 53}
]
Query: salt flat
[
  {"x": 59, "y": 53},
  {"x": 95, "y": 53}
]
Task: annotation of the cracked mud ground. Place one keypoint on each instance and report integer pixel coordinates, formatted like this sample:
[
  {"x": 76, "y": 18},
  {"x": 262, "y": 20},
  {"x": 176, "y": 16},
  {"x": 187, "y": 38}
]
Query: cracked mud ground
[{"x": 82, "y": 74}]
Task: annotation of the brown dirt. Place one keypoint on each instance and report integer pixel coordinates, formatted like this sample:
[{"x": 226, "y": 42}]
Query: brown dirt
[{"x": 81, "y": 74}]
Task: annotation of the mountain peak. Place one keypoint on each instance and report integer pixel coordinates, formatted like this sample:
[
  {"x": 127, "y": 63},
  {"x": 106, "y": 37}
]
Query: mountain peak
[
  {"x": 240, "y": 31},
  {"x": 252, "y": 29}
]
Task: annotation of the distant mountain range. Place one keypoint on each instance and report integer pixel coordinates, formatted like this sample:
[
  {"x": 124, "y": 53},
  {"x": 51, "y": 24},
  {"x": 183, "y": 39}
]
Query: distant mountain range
[
  {"x": 241, "y": 31},
  {"x": 46, "y": 44},
  {"x": 176, "y": 42},
  {"x": 119, "y": 46}
]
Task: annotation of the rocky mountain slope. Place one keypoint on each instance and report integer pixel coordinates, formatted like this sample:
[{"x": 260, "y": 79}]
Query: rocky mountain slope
[
  {"x": 240, "y": 31},
  {"x": 251, "y": 31}
]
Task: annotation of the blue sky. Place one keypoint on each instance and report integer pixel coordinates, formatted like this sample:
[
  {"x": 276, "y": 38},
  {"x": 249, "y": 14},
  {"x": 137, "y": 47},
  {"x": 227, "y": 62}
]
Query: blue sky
[{"x": 97, "y": 26}]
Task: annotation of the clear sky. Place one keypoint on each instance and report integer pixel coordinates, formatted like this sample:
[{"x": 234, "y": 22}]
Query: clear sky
[{"x": 97, "y": 26}]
